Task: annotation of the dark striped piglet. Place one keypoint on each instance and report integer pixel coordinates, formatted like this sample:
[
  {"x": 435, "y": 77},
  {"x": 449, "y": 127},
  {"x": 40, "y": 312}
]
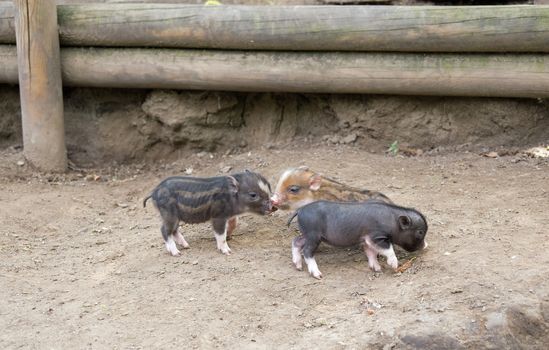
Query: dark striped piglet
[
  {"x": 220, "y": 199},
  {"x": 374, "y": 225}
]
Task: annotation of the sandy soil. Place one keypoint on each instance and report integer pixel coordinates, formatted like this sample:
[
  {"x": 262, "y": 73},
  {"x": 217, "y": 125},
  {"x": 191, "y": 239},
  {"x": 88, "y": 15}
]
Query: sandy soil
[{"x": 84, "y": 266}]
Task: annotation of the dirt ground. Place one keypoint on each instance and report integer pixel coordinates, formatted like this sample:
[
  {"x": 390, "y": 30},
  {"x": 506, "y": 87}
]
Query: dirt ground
[{"x": 83, "y": 264}]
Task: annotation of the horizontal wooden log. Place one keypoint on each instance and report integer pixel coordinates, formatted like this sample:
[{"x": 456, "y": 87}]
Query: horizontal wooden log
[
  {"x": 498, "y": 75},
  {"x": 7, "y": 23},
  {"x": 304, "y": 28},
  {"x": 8, "y": 64}
]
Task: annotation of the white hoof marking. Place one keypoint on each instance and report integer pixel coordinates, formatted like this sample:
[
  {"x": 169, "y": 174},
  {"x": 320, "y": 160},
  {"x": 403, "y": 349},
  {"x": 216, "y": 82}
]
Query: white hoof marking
[
  {"x": 390, "y": 255},
  {"x": 313, "y": 268},
  {"x": 222, "y": 245},
  {"x": 171, "y": 247}
]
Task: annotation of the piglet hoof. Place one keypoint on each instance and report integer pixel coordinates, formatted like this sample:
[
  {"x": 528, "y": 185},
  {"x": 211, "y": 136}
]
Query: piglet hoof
[
  {"x": 317, "y": 275},
  {"x": 181, "y": 241},
  {"x": 299, "y": 265},
  {"x": 393, "y": 262},
  {"x": 223, "y": 247},
  {"x": 175, "y": 253},
  {"x": 375, "y": 268},
  {"x": 184, "y": 244},
  {"x": 172, "y": 249},
  {"x": 226, "y": 250}
]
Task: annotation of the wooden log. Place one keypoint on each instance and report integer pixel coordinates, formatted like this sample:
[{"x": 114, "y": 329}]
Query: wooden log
[
  {"x": 307, "y": 28},
  {"x": 496, "y": 75},
  {"x": 322, "y": 28},
  {"x": 7, "y": 23},
  {"x": 410, "y": 74},
  {"x": 8, "y": 64},
  {"x": 40, "y": 84}
]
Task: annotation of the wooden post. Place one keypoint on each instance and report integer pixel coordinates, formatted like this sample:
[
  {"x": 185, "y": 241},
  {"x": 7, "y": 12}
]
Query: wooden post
[{"x": 40, "y": 86}]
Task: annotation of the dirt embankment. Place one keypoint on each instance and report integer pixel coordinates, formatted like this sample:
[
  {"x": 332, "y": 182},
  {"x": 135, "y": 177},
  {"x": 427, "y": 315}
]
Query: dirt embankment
[{"x": 105, "y": 125}]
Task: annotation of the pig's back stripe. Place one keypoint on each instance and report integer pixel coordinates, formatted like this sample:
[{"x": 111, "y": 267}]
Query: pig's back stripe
[
  {"x": 183, "y": 185},
  {"x": 218, "y": 180},
  {"x": 192, "y": 210},
  {"x": 189, "y": 194}
]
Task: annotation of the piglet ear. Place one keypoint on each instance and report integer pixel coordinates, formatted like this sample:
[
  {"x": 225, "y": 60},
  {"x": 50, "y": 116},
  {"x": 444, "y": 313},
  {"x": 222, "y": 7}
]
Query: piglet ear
[
  {"x": 405, "y": 222},
  {"x": 314, "y": 182},
  {"x": 303, "y": 167},
  {"x": 233, "y": 185}
]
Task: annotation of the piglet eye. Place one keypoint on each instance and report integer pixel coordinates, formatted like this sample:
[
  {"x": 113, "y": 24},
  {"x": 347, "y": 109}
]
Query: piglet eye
[
  {"x": 252, "y": 195},
  {"x": 294, "y": 189}
]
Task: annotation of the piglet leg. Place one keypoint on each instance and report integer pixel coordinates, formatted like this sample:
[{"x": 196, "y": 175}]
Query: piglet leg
[
  {"x": 231, "y": 225},
  {"x": 385, "y": 248},
  {"x": 171, "y": 247},
  {"x": 170, "y": 223},
  {"x": 372, "y": 258},
  {"x": 309, "y": 249},
  {"x": 297, "y": 246},
  {"x": 313, "y": 267},
  {"x": 390, "y": 255},
  {"x": 179, "y": 239},
  {"x": 169, "y": 228},
  {"x": 220, "y": 230}
]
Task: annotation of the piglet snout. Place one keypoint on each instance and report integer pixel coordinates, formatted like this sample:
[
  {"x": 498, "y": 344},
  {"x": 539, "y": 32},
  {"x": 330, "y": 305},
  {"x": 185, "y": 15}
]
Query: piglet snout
[
  {"x": 275, "y": 202},
  {"x": 275, "y": 199},
  {"x": 269, "y": 207}
]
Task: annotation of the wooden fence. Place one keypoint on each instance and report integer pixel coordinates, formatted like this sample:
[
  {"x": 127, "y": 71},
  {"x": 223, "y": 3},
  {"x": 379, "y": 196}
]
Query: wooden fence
[{"x": 498, "y": 51}]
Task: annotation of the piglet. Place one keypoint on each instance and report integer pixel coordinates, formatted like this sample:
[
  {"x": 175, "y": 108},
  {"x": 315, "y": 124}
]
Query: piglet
[
  {"x": 220, "y": 199},
  {"x": 374, "y": 225},
  {"x": 300, "y": 186}
]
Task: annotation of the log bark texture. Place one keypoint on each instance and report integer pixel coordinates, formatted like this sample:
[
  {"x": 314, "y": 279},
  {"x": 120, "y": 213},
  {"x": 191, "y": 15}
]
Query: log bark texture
[
  {"x": 317, "y": 28},
  {"x": 8, "y": 64},
  {"x": 7, "y": 23},
  {"x": 497, "y": 75},
  {"x": 40, "y": 84}
]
